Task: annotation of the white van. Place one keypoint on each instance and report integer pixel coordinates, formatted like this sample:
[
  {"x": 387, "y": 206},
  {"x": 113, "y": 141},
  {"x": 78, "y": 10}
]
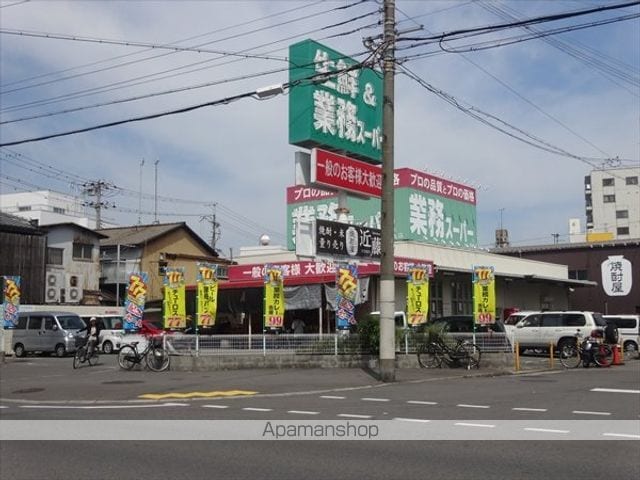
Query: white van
[
  {"x": 628, "y": 331},
  {"x": 46, "y": 332}
]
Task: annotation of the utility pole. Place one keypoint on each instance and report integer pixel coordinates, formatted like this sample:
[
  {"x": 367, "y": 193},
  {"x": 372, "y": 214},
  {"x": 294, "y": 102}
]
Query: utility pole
[
  {"x": 140, "y": 195},
  {"x": 215, "y": 226},
  {"x": 387, "y": 279},
  {"x": 155, "y": 190},
  {"x": 95, "y": 189}
]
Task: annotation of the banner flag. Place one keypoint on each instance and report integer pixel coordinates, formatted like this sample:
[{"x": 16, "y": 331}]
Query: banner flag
[
  {"x": 207, "y": 294},
  {"x": 273, "y": 297},
  {"x": 175, "y": 306},
  {"x": 134, "y": 303},
  {"x": 484, "y": 295},
  {"x": 10, "y": 301},
  {"x": 417, "y": 295},
  {"x": 347, "y": 286}
]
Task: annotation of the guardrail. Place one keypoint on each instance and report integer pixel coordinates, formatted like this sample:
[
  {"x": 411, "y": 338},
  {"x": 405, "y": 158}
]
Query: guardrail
[{"x": 313, "y": 344}]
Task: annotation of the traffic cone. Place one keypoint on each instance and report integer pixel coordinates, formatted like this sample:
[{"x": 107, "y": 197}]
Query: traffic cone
[{"x": 618, "y": 357}]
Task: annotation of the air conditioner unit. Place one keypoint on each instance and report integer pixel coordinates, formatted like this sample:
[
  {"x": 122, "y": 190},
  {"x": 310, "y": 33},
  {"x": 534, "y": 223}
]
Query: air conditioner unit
[
  {"x": 53, "y": 284},
  {"x": 73, "y": 288}
]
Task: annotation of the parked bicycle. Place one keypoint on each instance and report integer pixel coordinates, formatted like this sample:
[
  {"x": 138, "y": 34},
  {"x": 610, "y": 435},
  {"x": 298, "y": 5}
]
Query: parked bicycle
[
  {"x": 436, "y": 352},
  {"x": 156, "y": 358},
  {"x": 82, "y": 354},
  {"x": 586, "y": 352}
]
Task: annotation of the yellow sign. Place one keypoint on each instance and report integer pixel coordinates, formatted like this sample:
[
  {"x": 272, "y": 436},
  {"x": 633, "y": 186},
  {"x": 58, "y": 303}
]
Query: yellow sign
[
  {"x": 484, "y": 295},
  {"x": 273, "y": 299},
  {"x": 175, "y": 309},
  {"x": 417, "y": 296},
  {"x": 207, "y": 295}
]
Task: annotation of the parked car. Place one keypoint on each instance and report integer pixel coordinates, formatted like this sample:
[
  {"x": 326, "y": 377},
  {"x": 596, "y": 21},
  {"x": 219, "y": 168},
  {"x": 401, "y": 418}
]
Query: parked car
[
  {"x": 111, "y": 333},
  {"x": 543, "y": 329},
  {"x": 399, "y": 317},
  {"x": 628, "y": 330},
  {"x": 464, "y": 324},
  {"x": 46, "y": 332}
]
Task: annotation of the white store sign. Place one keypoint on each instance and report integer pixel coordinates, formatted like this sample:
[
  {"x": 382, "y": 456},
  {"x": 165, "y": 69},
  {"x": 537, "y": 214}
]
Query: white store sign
[{"x": 617, "y": 277}]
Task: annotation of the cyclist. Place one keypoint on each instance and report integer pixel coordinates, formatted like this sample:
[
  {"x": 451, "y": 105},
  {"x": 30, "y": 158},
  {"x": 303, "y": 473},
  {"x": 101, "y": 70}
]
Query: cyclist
[{"x": 93, "y": 334}]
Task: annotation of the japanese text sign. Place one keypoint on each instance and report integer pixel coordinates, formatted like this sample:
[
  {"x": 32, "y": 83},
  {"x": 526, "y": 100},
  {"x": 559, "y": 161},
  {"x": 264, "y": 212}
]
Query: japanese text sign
[
  {"x": 484, "y": 295},
  {"x": 135, "y": 301},
  {"x": 344, "y": 173},
  {"x": 10, "y": 300},
  {"x": 417, "y": 294},
  {"x": 342, "y": 239},
  {"x": 175, "y": 308},
  {"x": 207, "y": 283},
  {"x": 617, "y": 276},
  {"x": 333, "y": 102},
  {"x": 273, "y": 297},
  {"x": 346, "y": 288}
]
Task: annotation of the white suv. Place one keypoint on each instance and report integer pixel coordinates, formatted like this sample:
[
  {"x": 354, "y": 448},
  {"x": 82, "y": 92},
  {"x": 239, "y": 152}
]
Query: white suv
[
  {"x": 628, "y": 329},
  {"x": 540, "y": 330}
]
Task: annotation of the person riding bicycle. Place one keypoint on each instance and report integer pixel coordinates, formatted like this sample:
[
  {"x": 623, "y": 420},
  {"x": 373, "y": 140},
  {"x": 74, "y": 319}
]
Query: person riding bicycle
[{"x": 93, "y": 334}]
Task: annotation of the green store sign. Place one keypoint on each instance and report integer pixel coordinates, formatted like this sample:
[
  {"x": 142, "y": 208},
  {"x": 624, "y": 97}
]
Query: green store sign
[{"x": 331, "y": 106}]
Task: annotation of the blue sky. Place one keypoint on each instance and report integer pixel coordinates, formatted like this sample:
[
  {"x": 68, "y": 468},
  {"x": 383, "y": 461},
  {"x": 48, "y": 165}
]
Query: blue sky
[{"x": 237, "y": 155}]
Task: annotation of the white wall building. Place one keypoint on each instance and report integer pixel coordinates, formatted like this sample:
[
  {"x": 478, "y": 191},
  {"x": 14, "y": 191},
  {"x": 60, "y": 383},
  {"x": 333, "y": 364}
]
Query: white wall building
[
  {"x": 612, "y": 201},
  {"x": 47, "y": 207}
]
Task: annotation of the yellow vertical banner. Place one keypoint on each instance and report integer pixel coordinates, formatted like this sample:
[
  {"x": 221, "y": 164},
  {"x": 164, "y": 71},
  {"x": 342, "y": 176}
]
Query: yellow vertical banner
[
  {"x": 207, "y": 294},
  {"x": 273, "y": 297},
  {"x": 484, "y": 295},
  {"x": 175, "y": 308},
  {"x": 417, "y": 295}
]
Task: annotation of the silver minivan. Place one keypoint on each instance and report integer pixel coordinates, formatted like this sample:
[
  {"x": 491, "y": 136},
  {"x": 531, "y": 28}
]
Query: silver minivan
[{"x": 46, "y": 332}]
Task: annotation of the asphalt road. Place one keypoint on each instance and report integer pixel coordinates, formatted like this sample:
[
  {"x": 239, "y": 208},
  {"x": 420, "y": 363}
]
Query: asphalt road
[{"x": 35, "y": 391}]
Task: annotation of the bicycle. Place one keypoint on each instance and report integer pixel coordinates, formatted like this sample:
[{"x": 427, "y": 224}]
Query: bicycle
[
  {"x": 434, "y": 353},
  {"x": 82, "y": 352},
  {"x": 156, "y": 358},
  {"x": 586, "y": 352}
]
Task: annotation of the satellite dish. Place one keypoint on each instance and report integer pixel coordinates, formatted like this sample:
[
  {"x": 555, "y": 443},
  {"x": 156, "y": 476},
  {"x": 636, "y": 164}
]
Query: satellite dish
[{"x": 264, "y": 240}]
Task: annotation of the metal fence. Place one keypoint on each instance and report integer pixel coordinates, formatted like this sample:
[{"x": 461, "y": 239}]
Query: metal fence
[{"x": 313, "y": 344}]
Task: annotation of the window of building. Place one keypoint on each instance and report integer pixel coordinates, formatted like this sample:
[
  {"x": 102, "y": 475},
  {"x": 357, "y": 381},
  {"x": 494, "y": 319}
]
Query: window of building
[
  {"x": 587, "y": 181},
  {"x": 587, "y": 200},
  {"x": 435, "y": 295},
  {"x": 589, "y": 217},
  {"x": 461, "y": 298},
  {"x": 58, "y": 210},
  {"x": 578, "y": 274},
  {"x": 631, "y": 180},
  {"x": 609, "y": 198},
  {"x": 623, "y": 230},
  {"x": 24, "y": 209},
  {"x": 54, "y": 256},
  {"x": 608, "y": 182},
  {"x": 82, "y": 251},
  {"x": 622, "y": 213}
]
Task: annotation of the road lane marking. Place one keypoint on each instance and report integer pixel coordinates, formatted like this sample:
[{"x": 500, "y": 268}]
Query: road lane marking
[
  {"x": 224, "y": 393},
  {"x": 622, "y": 435},
  {"x": 464, "y": 405},
  {"x": 485, "y": 425},
  {"x": 215, "y": 406},
  {"x": 525, "y": 409},
  {"x": 252, "y": 409},
  {"x": 369, "y": 399},
  {"x": 3, "y": 406},
  {"x": 302, "y": 412},
  {"x": 419, "y": 420},
  {"x": 420, "y": 402},
  {"x": 353, "y": 415},
  {"x": 614, "y": 390},
  {"x": 546, "y": 430},
  {"x": 332, "y": 397},
  {"x": 586, "y": 412},
  {"x": 99, "y": 407}
]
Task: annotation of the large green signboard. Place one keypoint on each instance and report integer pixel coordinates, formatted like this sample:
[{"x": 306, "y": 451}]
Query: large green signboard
[
  {"x": 427, "y": 209},
  {"x": 331, "y": 106}
]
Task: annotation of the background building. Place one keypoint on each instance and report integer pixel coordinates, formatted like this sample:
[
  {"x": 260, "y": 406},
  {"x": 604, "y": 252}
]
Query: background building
[
  {"x": 47, "y": 207},
  {"x": 612, "y": 201}
]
